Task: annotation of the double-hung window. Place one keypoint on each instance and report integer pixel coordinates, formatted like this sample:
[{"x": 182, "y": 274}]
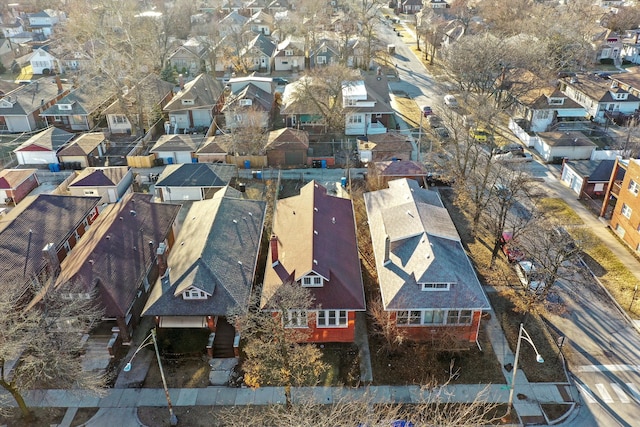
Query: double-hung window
[
  {"x": 626, "y": 211},
  {"x": 295, "y": 319},
  {"x": 634, "y": 187},
  {"x": 459, "y": 317},
  {"x": 332, "y": 319}
]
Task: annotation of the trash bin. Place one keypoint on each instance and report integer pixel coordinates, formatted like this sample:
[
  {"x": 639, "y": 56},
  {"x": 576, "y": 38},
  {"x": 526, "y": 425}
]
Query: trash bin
[
  {"x": 169, "y": 160},
  {"x": 259, "y": 174},
  {"x": 247, "y": 164},
  {"x": 343, "y": 181},
  {"x": 323, "y": 164},
  {"x": 242, "y": 187}
]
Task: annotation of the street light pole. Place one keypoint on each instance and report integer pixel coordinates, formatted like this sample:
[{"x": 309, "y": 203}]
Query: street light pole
[
  {"x": 173, "y": 419},
  {"x": 420, "y": 134},
  {"x": 522, "y": 335}
]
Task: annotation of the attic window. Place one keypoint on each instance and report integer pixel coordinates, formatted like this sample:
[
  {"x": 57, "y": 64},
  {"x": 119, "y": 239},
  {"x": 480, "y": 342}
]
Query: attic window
[
  {"x": 436, "y": 286},
  {"x": 193, "y": 293},
  {"x": 288, "y": 52},
  {"x": 65, "y": 107},
  {"x": 556, "y": 101},
  {"x": 187, "y": 102},
  {"x": 245, "y": 102},
  {"x": 312, "y": 282}
]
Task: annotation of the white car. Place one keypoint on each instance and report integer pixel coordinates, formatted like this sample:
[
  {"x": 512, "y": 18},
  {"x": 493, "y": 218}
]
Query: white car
[
  {"x": 513, "y": 157},
  {"x": 529, "y": 276},
  {"x": 450, "y": 101}
]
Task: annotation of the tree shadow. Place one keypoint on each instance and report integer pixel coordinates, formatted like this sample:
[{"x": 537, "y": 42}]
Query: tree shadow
[{"x": 597, "y": 269}]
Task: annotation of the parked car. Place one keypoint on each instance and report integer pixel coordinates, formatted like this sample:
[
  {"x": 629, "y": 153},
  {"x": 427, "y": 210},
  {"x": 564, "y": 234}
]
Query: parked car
[
  {"x": 442, "y": 132},
  {"x": 508, "y": 149},
  {"x": 513, "y": 156},
  {"x": 530, "y": 276},
  {"x": 279, "y": 81},
  {"x": 513, "y": 253},
  {"x": 434, "y": 121},
  {"x": 480, "y": 134},
  {"x": 468, "y": 121},
  {"x": 450, "y": 101},
  {"x": 426, "y": 111}
]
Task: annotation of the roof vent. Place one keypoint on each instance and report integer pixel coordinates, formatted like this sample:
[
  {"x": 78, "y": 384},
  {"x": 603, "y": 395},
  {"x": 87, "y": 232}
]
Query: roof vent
[
  {"x": 91, "y": 262},
  {"x": 120, "y": 218},
  {"x": 133, "y": 213},
  {"x": 315, "y": 209},
  {"x": 315, "y": 262},
  {"x": 235, "y": 221},
  {"x": 333, "y": 220},
  {"x": 239, "y": 262},
  {"x": 250, "y": 214},
  {"x": 315, "y": 232}
]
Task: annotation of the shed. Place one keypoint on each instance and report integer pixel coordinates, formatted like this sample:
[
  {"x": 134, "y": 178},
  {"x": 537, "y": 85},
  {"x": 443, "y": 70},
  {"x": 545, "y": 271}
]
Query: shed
[{"x": 558, "y": 145}]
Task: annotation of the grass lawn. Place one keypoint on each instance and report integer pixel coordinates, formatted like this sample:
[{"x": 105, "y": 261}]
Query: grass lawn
[{"x": 558, "y": 209}]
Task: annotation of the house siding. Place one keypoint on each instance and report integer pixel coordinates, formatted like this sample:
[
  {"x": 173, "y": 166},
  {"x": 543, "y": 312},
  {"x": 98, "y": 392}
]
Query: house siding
[
  {"x": 326, "y": 335},
  {"x": 628, "y": 229},
  {"x": 21, "y": 191}
]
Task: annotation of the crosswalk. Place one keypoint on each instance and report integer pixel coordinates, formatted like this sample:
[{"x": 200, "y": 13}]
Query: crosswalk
[{"x": 610, "y": 393}]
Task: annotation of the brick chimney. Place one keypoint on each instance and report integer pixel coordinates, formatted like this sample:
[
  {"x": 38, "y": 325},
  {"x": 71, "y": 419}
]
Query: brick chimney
[
  {"x": 181, "y": 80},
  {"x": 50, "y": 257},
  {"x": 162, "y": 259},
  {"x": 274, "y": 250},
  {"x": 59, "y": 83}
]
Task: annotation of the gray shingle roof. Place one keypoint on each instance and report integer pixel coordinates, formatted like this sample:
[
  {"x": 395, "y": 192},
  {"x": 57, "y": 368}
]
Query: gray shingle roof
[
  {"x": 177, "y": 142},
  {"x": 197, "y": 175},
  {"x": 424, "y": 248},
  {"x": 216, "y": 251}
]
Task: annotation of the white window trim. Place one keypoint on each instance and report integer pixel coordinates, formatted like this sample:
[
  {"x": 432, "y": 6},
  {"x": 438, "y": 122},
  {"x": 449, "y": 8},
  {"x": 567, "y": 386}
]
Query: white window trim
[
  {"x": 311, "y": 281},
  {"x": 436, "y": 286},
  {"x": 424, "y": 314},
  {"x": 336, "y": 315},
  {"x": 626, "y": 211},
  {"x": 634, "y": 187},
  {"x": 296, "y": 319},
  {"x": 194, "y": 294}
]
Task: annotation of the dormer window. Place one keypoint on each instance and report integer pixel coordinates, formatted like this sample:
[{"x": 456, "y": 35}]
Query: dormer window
[
  {"x": 65, "y": 107},
  {"x": 312, "y": 282},
  {"x": 621, "y": 96},
  {"x": 194, "y": 293},
  {"x": 436, "y": 286},
  {"x": 288, "y": 52},
  {"x": 556, "y": 101}
]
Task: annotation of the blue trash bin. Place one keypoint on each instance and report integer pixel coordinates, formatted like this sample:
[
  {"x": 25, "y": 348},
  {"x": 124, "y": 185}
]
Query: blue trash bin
[
  {"x": 194, "y": 160},
  {"x": 258, "y": 174},
  {"x": 170, "y": 160},
  {"x": 247, "y": 164},
  {"x": 323, "y": 164},
  {"x": 343, "y": 181}
]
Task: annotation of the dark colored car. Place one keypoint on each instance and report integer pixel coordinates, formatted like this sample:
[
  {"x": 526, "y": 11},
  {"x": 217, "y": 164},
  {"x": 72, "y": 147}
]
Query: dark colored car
[
  {"x": 280, "y": 81},
  {"x": 434, "y": 179},
  {"x": 442, "y": 132},
  {"x": 513, "y": 253},
  {"x": 427, "y": 111}
]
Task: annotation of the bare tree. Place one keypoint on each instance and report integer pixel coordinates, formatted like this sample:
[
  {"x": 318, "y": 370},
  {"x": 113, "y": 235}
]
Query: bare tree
[
  {"x": 275, "y": 341},
  {"x": 41, "y": 347}
]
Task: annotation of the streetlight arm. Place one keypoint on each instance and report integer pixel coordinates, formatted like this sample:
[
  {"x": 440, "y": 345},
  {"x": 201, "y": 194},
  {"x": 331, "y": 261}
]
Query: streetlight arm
[
  {"x": 147, "y": 341},
  {"x": 522, "y": 335}
]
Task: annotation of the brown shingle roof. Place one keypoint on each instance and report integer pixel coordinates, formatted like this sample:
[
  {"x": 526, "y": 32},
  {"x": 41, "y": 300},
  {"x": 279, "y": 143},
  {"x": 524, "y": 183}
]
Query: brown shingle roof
[
  {"x": 11, "y": 178},
  {"x": 83, "y": 145},
  {"x": 316, "y": 232},
  {"x": 291, "y": 138}
]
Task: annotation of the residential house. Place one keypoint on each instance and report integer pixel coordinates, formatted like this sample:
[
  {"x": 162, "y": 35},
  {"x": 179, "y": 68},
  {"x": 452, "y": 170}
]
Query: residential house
[
  {"x": 210, "y": 272},
  {"x": 7, "y": 53},
  {"x": 44, "y": 21},
  {"x": 211, "y": 152},
  {"x": 16, "y": 184},
  {"x": 630, "y": 47},
  {"x": 289, "y": 56},
  {"x": 190, "y": 58},
  {"x": 179, "y": 148},
  {"x": 258, "y": 54},
  {"x": 287, "y": 147},
  {"x": 608, "y": 46},
  {"x": 231, "y": 6},
  {"x": 37, "y": 235},
  {"x": 623, "y": 203},
  {"x": 88, "y": 149},
  {"x": 24, "y": 37},
  {"x": 193, "y": 107},
  {"x": 193, "y": 181},
  {"x": 390, "y": 146},
  {"x": 629, "y": 81},
  {"x": 572, "y": 145},
  {"x": 43, "y": 62},
  {"x": 110, "y": 183},
  {"x": 257, "y": 6},
  {"x": 261, "y": 22},
  {"x": 277, "y": 6},
  {"x": 82, "y": 108},
  {"x": 142, "y": 103},
  {"x": 326, "y": 53},
  {"x": 542, "y": 106},
  {"x": 428, "y": 285},
  {"x": 602, "y": 98},
  {"x": 11, "y": 27},
  {"x": 395, "y": 169},
  {"x": 117, "y": 258},
  {"x": 301, "y": 113},
  {"x": 20, "y": 109},
  {"x": 232, "y": 24},
  {"x": 313, "y": 245},
  {"x": 588, "y": 178},
  {"x": 250, "y": 107},
  {"x": 42, "y": 148},
  {"x": 367, "y": 106},
  {"x": 437, "y": 4},
  {"x": 411, "y": 6}
]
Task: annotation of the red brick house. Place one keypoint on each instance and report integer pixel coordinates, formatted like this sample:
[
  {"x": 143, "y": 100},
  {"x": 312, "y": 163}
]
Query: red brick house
[
  {"x": 623, "y": 201},
  {"x": 314, "y": 244},
  {"x": 427, "y": 283},
  {"x": 117, "y": 257},
  {"x": 38, "y": 234},
  {"x": 16, "y": 184}
]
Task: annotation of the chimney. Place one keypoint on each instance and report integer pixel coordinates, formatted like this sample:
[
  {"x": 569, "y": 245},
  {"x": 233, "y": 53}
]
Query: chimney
[
  {"x": 181, "y": 80},
  {"x": 162, "y": 259},
  {"x": 50, "y": 257},
  {"x": 274, "y": 250},
  {"x": 59, "y": 83},
  {"x": 387, "y": 244}
]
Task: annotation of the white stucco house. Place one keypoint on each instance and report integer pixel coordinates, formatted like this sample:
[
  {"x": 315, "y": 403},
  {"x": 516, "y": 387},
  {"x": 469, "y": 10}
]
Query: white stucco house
[{"x": 367, "y": 106}]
